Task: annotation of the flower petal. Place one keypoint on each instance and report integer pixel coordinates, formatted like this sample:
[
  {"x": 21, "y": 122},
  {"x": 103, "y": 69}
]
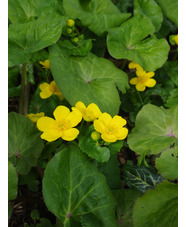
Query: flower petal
[
  {"x": 105, "y": 118},
  {"x": 99, "y": 126},
  {"x": 74, "y": 117},
  {"x": 108, "y": 137},
  {"x": 46, "y": 123},
  {"x": 140, "y": 87},
  {"x": 150, "y": 74},
  {"x": 70, "y": 134},
  {"x": 61, "y": 113},
  {"x": 140, "y": 73},
  {"x": 134, "y": 81},
  {"x": 80, "y": 106},
  {"x": 45, "y": 91},
  {"x": 95, "y": 109},
  {"x": 133, "y": 65},
  {"x": 51, "y": 135},
  {"x": 122, "y": 133},
  {"x": 118, "y": 121},
  {"x": 150, "y": 83}
]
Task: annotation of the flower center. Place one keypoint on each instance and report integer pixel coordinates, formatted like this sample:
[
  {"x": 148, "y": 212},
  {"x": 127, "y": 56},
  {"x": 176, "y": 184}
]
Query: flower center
[
  {"x": 63, "y": 125},
  {"x": 142, "y": 79}
]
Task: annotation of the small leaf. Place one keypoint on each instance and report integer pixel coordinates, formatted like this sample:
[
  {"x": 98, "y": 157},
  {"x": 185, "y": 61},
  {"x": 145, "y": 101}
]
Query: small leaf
[
  {"x": 88, "y": 79},
  {"x": 129, "y": 42},
  {"x": 140, "y": 177},
  {"x": 97, "y": 15},
  {"x": 170, "y": 9},
  {"x": 24, "y": 142},
  {"x": 74, "y": 188},
  {"x": 12, "y": 182},
  {"x": 172, "y": 99},
  {"x": 167, "y": 163},
  {"x": 150, "y": 9},
  {"x": 158, "y": 207},
  {"x": 115, "y": 147},
  {"x": 155, "y": 129},
  {"x": 92, "y": 148},
  {"x": 125, "y": 201}
]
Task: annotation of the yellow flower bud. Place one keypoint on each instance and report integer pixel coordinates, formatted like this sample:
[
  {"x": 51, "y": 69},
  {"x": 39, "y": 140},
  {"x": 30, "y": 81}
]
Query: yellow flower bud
[
  {"x": 70, "y": 22},
  {"x": 95, "y": 135},
  {"x": 76, "y": 40},
  {"x": 69, "y": 30}
]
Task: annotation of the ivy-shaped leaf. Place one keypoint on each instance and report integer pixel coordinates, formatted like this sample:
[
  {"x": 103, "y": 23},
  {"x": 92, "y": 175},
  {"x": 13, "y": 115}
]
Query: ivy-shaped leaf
[
  {"x": 97, "y": 15},
  {"x": 89, "y": 79},
  {"x": 170, "y": 9},
  {"x": 74, "y": 188},
  {"x": 140, "y": 177},
  {"x": 150, "y": 9},
  {"x": 92, "y": 148},
  {"x": 129, "y": 42},
  {"x": 158, "y": 207},
  {"x": 24, "y": 142},
  {"x": 155, "y": 129},
  {"x": 12, "y": 182},
  {"x": 167, "y": 163},
  {"x": 25, "y": 39}
]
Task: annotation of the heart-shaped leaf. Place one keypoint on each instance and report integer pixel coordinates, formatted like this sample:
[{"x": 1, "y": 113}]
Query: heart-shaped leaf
[
  {"x": 129, "y": 42},
  {"x": 89, "y": 79},
  {"x": 155, "y": 129},
  {"x": 98, "y": 15},
  {"x": 74, "y": 189}
]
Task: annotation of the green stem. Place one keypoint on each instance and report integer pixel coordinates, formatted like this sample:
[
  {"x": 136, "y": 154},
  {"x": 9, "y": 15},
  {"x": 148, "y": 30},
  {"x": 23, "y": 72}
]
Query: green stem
[
  {"x": 81, "y": 125},
  {"x": 140, "y": 99},
  {"x": 22, "y": 93},
  {"x": 26, "y": 98}
]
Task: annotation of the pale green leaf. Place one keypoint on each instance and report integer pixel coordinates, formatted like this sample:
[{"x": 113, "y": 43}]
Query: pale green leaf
[
  {"x": 157, "y": 207},
  {"x": 97, "y": 15},
  {"x": 150, "y": 9},
  {"x": 170, "y": 9},
  {"x": 27, "y": 38},
  {"x": 74, "y": 188},
  {"x": 167, "y": 163},
  {"x": 140, "y": 177},
  {"x": 129, "y": 41},
  {"x": 89, "y": 79},
  {"x": 125, "y": 201},
  {"x": 22, "y": 11},
  {"x": 24, "y": 142},
  {"x": 155, "y": 129},
  {"x": 12, "y": 182}
]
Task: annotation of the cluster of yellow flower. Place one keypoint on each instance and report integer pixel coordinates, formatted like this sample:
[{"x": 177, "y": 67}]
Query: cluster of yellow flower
[
  {"x": 143, "y": 78},
  {"x": 110, "y": 129}
]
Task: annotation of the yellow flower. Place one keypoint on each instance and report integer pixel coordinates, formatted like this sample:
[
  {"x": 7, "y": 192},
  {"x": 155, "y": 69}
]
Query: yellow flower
[
  {"x": 133, "y": 65},
  {"x": 50, "y": 89},
  {"x": 70, "y": 22},
  {"x": 46, "y": 64},
  {"x": 95, "y": 135},
  {"x": 143, "y": 80},
  {"x": 35, "y": 117},
  {"x": 89, "y": 113},
  {"x": 111, "y": 129},
  {"x": 176, "y": 39},
  {"x": 62, "y": 126}
]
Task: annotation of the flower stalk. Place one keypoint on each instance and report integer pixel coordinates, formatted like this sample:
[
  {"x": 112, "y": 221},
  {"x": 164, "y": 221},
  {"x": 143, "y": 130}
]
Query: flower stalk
[{"x": 22, "y": 92}]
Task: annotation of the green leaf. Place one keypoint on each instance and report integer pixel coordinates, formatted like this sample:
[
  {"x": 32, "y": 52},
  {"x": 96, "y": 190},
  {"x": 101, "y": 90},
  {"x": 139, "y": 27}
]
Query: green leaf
[
  {"x": 111, "y": 171},
  {"x": 13, "y": 75},
  {"x": 97, "y": 15},
  {"x": 92, "y": 148},
  {"x": 172, "y": 99},
  {"x": 140, "y": 177},
  {"x": 115, "y": 147},
  {"x": 22, "y": 11},
  {"x": 167, "y": 163},
  {"x": 150, "y": 9},
  {"x": 74, "y": 188},
  {"x": 124, "y": 5},
  {"x": 25, "y": 144},
  {"x": 171, "y": 69},
  {"x": 27, "y": 38},
  {"x": 155, "y": 129},
  {"x": 125, "y": 201},
  {"x": 129, "y": 42},
  {"x": 157, "y": 207},
  {"x": 44, "y": 222},
  {"x": 12, "y": 182},
  {"x": 170, "y": 9},
  {"x": 35, "y": 215},
  {"x": 88, "y": 79}
]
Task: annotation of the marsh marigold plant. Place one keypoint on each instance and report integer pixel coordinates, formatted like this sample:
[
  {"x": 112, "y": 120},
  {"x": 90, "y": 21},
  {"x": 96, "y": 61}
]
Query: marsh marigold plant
[
  {"x": 62, "y": 126},
  {"x": 111, "y": 129}
]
